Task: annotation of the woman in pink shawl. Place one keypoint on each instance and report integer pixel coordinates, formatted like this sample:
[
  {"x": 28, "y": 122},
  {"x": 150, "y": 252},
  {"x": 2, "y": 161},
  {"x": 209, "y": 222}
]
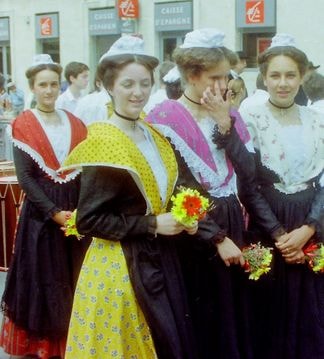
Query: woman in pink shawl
[{"x": 212, "y": 146}]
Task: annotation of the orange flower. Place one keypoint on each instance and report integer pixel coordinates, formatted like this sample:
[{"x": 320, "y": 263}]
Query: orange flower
[
  {"x": 192, "y": 204},
  {"x": 189, "y": 206}
]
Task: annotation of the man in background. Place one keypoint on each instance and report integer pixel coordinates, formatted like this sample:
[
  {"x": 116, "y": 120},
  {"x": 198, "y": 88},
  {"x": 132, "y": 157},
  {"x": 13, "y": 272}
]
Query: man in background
[{"x": 77, "y": 76}]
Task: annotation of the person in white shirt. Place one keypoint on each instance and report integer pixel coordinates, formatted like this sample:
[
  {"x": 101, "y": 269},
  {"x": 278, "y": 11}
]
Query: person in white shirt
[
  {"x": 259, "y": 96},
  {"x": 77, "y": 75},
  {"x": 93, "y": 107}
]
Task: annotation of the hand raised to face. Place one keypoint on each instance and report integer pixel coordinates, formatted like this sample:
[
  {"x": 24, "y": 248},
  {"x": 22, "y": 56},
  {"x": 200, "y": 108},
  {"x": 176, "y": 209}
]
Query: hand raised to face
[{"x": 217, "y": 106}]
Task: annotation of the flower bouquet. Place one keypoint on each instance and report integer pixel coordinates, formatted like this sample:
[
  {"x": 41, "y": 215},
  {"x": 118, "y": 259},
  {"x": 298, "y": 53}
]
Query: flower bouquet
[
  {"x": 314, "y": 253},
  {"x": 257, "y": 260},
  {"x": 189, "y": 206},
  {"x": 70, "y": 226}
]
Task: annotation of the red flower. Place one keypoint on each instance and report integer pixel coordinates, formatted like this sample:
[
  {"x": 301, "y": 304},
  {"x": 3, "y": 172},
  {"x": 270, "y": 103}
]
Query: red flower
[
  {"x": 192, "y": 205},
  {"x": 247, "y": 266},
  {"x": 310, "y": 249},
  {"x": 314, "y": 256}
]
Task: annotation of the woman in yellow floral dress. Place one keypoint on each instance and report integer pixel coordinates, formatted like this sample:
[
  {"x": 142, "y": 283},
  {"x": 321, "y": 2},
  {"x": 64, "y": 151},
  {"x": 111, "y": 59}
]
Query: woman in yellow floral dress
[{"x": 129, "y": 301}]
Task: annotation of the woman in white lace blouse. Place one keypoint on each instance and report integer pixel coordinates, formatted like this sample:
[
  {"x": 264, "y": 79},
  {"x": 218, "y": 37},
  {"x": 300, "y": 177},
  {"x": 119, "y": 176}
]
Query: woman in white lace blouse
[{"x": 287, "y": 306}]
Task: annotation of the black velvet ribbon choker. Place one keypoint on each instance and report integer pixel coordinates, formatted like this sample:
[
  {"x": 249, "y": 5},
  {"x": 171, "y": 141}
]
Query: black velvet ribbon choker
[
  {"x": 189, "y": 99},
  {"x": 44, "y": 110},
  {"x": 281, "y": 107},
  {"x": 125, "y": 117}
]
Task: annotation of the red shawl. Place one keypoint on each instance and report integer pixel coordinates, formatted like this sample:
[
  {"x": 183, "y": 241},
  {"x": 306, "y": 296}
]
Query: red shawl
[{"x": 29, "y": 136}]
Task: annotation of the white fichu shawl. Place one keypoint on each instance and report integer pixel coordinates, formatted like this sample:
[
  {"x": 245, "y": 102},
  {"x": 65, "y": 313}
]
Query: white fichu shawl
[{"x": 265, "y": 132}]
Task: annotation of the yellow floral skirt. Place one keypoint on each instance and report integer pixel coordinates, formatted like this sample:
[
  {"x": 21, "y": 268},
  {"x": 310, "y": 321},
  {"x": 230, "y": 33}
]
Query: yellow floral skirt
[{"x": 106, "y": 320}]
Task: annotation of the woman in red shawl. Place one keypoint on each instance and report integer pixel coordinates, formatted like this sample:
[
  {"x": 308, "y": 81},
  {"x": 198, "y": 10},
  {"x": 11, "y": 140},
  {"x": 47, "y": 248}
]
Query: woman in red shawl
[{"x": 40, "y": 283}]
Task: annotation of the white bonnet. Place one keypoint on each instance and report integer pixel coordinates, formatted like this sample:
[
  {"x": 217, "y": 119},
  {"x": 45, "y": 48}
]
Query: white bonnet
[
  {"x": 283, "y": 40},
  {"x": 126, "y": 45},
  {"x": 207, "y": 37},
  {"x": 172, "y": 76},
  {"x": 41, "y": 59}
]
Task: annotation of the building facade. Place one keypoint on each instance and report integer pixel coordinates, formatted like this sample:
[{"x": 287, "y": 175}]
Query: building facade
[{"x": 82, "y": 30}]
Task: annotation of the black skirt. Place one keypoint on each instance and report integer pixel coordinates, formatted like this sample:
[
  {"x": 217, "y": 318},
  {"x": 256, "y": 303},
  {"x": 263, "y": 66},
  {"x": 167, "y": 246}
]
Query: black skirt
[
  {"x": 287, "y": 305},
  {"x": 218, "y": 293},
  {"x": 42, "y": 276}
]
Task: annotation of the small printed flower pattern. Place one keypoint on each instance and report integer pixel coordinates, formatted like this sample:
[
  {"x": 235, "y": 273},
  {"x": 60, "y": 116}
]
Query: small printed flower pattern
[
  {"x": 106, "y": 320},
  {"x": 100, "y": 135}
]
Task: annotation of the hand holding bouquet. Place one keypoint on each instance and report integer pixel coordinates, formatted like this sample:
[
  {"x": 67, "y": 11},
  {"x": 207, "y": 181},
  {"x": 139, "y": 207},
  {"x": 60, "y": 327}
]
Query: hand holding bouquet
[
  {"x": 189, "y": 206},
  {"x": 257, "y": 260},
  {"x": 70, "y": 226},
  {"x": 314, "y": 253}
]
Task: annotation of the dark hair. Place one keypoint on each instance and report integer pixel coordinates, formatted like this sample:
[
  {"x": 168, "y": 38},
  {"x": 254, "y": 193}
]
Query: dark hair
[
  {"x": 97, "y": 83},
  {"x": 193, "y": 61},
  {"x": 242, "y": 55},
  {"x": 298, "y": 56},
  {"x": 74, "y": 69},
  {"x": 174, "y": 89},
  {"x": 314, "y": 86},
  {"x": 109, "y": 67},
  {"x": 34, "y": 70}
]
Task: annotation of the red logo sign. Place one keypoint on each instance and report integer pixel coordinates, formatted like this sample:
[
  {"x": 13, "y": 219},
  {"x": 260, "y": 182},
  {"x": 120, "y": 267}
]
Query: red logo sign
[
  {"x": 254, "y": 12},
  {"x": 128, "y": 9},
  {"x": 46, "y": 26}
]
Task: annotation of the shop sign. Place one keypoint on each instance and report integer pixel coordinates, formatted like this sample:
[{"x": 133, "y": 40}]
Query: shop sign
[
  {"x": 103, "y": 22},
  {"x": 128, "y": 9},
  {"x": 127, "y": 26},
  {"x": 4, "y": 29},
  {"x": 176, "y": 16},
  {"x": 255, "y": 13},
  {"x": 47, "y": 26}
]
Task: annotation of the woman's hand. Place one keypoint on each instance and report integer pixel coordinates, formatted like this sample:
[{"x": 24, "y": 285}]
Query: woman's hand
[
  {"x": 167, "y": 225},
  {"x": 217, "y": 107},
  {"x": 230, "y": 252},
  {"x": 292, "y": 245},
  {"x": 61, "y": 217},
  {"x": 282, "y": 238},
  {"x": 297, "y": 258},
  {"x": 193, "y": 229}
]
